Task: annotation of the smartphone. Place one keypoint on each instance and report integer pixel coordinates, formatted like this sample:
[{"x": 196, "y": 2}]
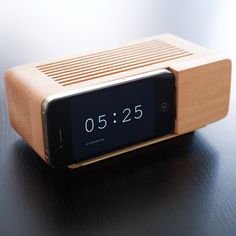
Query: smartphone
[{"x": 84, "y": 124}]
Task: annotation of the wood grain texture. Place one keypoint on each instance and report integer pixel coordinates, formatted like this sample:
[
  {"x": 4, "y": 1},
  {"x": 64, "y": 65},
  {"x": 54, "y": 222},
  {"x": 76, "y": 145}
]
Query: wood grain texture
[{"x": 202, "y": 84}]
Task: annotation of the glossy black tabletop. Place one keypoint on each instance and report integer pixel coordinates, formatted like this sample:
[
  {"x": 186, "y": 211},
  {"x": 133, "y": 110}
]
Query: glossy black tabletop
[{"x": 184, "y": 186}]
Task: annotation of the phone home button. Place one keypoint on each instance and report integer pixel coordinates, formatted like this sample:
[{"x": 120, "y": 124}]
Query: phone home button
[{"x": 164, "y": 106}]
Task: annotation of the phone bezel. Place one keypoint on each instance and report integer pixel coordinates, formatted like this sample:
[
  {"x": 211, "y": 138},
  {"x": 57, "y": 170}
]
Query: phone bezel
[{"x": 61, "y": 101}]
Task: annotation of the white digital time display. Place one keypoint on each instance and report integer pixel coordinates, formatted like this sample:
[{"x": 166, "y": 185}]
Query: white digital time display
[{"x": 102, "y": 120}]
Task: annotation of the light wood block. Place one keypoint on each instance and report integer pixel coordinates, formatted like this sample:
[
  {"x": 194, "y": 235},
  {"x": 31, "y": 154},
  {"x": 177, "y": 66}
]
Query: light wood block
[{"x": 202, "y": 84}]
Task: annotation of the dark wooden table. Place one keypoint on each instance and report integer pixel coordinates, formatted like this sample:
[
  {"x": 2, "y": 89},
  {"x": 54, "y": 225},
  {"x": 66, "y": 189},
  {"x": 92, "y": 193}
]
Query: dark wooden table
[{"x": 184, "y": 186}]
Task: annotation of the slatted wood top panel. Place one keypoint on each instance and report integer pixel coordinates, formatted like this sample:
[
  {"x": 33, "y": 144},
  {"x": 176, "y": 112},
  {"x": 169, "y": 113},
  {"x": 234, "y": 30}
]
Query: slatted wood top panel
[{"x": 92, "y": 66}]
